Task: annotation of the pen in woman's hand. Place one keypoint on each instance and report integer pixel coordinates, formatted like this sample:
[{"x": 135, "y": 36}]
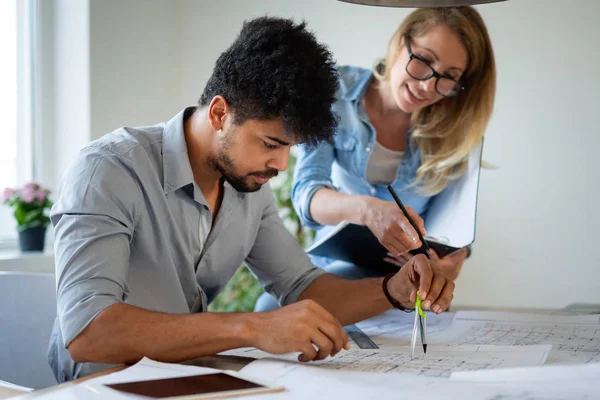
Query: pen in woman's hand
[{"x": 424, "y": 249}]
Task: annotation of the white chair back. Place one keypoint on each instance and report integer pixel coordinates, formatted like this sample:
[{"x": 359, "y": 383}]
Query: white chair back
[{"x": 27, "y": 313}]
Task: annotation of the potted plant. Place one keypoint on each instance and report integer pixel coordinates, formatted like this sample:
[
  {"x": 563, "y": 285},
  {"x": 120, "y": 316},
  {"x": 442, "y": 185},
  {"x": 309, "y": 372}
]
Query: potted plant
[{"x": 30, "y": 204}]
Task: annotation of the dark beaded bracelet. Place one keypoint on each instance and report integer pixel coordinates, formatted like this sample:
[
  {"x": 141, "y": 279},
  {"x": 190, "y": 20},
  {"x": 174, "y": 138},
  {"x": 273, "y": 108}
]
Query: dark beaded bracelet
[{"x": 390, "y": 298}]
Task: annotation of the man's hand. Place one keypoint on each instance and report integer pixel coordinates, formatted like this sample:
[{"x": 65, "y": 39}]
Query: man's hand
[
  {"x": 393, "y": 230},
  {"x": 419, "y": 273},
  {"x": 304, "y": 327}
]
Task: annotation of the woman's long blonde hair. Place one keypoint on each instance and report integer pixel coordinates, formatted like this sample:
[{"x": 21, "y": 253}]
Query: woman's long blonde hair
[{"x": 447, "y": 131}]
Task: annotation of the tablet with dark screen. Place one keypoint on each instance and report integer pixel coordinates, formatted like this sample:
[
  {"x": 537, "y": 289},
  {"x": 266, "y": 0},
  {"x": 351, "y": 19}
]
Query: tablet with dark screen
[{"x": 195, "y": 387}]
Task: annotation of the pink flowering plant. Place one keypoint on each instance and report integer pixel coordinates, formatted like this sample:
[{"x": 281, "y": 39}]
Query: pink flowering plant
[{"x": 30, "y": 203}]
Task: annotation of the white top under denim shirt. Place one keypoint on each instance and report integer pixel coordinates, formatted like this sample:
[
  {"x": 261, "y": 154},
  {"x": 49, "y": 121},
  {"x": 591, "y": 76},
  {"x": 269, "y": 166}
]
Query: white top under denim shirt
[
  {"x": 383, "y": 164},
  {"x": 343, "y": 165}
]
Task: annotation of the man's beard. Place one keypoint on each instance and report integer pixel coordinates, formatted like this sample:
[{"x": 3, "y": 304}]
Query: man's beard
[{"x": 242, "y": 183}]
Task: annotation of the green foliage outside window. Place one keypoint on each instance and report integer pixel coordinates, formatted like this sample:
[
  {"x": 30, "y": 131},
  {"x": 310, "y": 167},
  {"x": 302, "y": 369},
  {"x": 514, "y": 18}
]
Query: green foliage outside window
[{"x": 242, "y": 291}]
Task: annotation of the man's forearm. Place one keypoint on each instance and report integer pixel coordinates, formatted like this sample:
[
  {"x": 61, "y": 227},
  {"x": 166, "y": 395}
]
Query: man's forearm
[
  {"x": 349, "y": 301},
  {"x": 123, "y": 333}
]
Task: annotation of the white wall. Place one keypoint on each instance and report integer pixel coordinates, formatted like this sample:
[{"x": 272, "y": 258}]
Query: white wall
[
  {"x": 135, "y": 63},
  {"x": 71, "y": 72},
  {"x": 536, "y": 224},
  {"x": 209, "y": 30},
  {"x": 62, "y": 108},
  {"x": 102, "y": 64}
]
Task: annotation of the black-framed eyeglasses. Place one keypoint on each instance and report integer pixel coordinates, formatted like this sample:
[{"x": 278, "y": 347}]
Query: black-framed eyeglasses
[{"x": 421, "y": 70}]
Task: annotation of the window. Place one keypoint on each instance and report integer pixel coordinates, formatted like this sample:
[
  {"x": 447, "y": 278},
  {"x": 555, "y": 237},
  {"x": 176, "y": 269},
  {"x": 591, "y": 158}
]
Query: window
[{"x": 16, "y": 45}]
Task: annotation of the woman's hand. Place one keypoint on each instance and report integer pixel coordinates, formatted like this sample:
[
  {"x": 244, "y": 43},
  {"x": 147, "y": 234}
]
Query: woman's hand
[
  {"x": 398, "y": 261},
  {"x": 391, "y": 227},
  {"x": 450, "y": 265}
]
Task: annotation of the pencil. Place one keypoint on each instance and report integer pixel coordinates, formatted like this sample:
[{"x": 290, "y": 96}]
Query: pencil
[{"x": 424, "y": 249}]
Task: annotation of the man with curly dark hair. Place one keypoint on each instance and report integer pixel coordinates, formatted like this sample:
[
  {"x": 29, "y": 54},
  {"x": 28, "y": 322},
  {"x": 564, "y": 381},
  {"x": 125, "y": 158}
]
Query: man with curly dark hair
[
  {"x": 273, "y": 73},
  {"x": 152, "y": 222}
]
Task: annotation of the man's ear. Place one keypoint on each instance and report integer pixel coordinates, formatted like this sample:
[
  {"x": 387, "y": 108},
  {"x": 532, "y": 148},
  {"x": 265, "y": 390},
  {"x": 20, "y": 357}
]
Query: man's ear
[{"x": 218, "y": 112}]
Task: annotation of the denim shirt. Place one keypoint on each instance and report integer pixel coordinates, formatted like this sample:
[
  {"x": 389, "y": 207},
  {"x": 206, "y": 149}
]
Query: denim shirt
[{"x": 342, "y": 166}]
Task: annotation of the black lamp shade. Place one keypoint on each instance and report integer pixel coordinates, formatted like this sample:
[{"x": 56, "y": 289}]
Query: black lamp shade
[{"x": 420, "y": 3}]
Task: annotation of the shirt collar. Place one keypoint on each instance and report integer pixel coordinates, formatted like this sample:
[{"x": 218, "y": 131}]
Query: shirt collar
[
  {"x": 177, "y": 171},
  {"x": 357, "y": 84}
]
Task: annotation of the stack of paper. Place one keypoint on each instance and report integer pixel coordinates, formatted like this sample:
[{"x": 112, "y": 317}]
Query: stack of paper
[
  {"x": 306, "y": 382},
  {"x": 488, "y": 355},
  {"x": 479, "y": 355}
]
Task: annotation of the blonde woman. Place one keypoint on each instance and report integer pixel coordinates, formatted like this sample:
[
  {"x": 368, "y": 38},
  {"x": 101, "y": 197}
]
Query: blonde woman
[{"x": 412, "y": 123}]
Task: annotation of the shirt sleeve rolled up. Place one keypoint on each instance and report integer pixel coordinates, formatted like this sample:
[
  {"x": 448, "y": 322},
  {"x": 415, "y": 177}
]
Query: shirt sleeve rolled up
[{"x": 93, "y": 221}]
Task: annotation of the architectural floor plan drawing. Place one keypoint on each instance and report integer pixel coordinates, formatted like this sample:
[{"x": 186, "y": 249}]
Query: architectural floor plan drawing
[
  {"x": 490, "y": 355},
  {"x": 440, "y": 361},
  {"x": 394, "y": 328},
  {"x": 572, "y": 337}
]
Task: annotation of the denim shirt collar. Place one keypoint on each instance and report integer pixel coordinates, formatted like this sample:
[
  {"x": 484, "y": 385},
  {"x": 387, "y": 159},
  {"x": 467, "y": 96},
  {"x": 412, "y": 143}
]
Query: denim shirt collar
[{"x": 356, "y": 81}]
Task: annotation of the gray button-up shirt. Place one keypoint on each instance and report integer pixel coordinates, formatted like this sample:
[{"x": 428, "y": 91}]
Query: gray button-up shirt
[{"x": 132, "y": 226}]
